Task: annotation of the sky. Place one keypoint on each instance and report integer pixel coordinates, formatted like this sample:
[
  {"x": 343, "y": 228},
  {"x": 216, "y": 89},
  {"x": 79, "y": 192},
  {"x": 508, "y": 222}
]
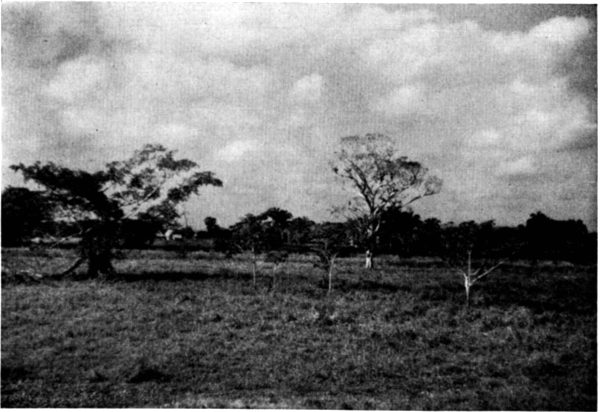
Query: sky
[{"x": 499, "y": 101}]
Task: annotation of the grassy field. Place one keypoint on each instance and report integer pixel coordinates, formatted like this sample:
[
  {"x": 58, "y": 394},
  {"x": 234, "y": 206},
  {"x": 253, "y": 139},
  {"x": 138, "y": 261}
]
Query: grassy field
[{"x": 193, "y": 332}]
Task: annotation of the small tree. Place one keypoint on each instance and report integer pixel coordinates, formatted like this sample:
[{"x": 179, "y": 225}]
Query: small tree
[
  {"x": 327, "y": 242},
  {"x": 147, "y": 186},
  {"x": 468, "y": 245},
  {"x": 248, "y": 235},
  {"x": 266, "y": 232},
  {"x": 277, "y": 257},
  {"x": 381, "y": 180}
]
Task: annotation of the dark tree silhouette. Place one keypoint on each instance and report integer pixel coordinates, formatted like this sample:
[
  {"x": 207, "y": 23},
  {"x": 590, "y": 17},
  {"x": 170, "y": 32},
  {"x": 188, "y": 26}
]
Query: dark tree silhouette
[
  {"x": 137, "y": 233},
  {"x": 399, "y": 233},
  {"x": 558, "y": 239},
  {"x": 23, "y": 213},
  {"x": 275, "y": 222},
  {"x": 211, "y": 224}
]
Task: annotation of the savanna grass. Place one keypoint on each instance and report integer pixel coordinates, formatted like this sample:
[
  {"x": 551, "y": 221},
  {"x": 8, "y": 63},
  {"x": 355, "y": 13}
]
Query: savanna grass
[{"x": 194, "y": 332}]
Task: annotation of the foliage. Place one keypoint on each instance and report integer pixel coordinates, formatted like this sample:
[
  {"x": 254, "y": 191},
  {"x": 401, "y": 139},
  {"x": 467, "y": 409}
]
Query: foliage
[
  {"x": 400, "y": 231},
  {"x": 549, "y": 239},
  {"x": 23, "y": 213},
  {"x": 300, "y": 230},
  {"x": 137, "y": 234},
  {"x": 264, "y": 232},
  {"x": 152, "y": 183},
  {"x": 211, "y": 225},
  {"x": 274, "y": 227},
  {"x": 248, "y": 234},
  {"x": 381, "y": 180}
]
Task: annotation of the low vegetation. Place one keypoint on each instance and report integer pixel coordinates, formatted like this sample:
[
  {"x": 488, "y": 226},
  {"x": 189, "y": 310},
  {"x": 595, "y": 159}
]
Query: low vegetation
[{"x": 195, "y": 332}]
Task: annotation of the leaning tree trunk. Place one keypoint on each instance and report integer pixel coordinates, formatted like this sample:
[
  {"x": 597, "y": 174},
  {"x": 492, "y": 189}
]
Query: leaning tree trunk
[{"x": 73, "y": 267}]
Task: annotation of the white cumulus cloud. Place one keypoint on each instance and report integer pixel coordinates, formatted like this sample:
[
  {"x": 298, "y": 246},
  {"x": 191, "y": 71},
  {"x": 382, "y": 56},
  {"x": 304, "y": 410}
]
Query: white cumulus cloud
[
  {"x": 236, "y": 150},
  {"x": 308, "y": 88}
]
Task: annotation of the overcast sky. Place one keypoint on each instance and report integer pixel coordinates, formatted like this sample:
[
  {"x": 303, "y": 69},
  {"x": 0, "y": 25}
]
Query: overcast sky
[{"x": 499, "y": 101}]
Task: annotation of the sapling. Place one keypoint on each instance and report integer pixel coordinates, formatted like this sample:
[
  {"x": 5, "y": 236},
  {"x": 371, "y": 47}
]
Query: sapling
[
  {"x": 248, "y": 236},
  {"x": 471, "y": 276},
  {"x": 328, "y": 240},
  {"x": 326, "y": 261},
  {"x": 277, "y": 258},
  {"x": 461, "y": 242}
]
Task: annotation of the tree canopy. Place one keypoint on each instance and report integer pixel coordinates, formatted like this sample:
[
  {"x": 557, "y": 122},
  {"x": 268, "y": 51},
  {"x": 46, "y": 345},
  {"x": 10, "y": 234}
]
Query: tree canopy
[{"x": 148, "y": 185}]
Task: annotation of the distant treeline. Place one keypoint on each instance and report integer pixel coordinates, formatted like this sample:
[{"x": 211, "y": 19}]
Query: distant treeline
[
  {"x": 405, "y": 234},
  {"x": 402, "y": 233}
]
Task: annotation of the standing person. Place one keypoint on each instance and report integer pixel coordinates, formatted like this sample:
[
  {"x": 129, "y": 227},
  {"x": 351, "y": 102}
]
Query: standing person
[{"x": 369, "y": 260}]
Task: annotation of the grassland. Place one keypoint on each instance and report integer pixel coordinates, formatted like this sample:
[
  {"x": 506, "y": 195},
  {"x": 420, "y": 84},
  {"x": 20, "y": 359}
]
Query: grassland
[{"x": 193, "y": 332}]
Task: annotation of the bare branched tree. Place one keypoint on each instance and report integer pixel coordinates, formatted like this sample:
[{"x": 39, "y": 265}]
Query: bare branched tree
[
  {"x": 469, "y": 251},
  {"x": 327, "y": 257}
]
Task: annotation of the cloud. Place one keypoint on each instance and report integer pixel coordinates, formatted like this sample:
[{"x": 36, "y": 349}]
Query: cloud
[
  {"x": 561, "y": 31},
  {"x": 77, "y": 78},
  {"x": 487, "y": 137},
  {"x": 522, "y": 166},
  {"x": 307, "y": 89},
  {"x": 235, "y": 150},
  {"x": 406, "y": 100}
]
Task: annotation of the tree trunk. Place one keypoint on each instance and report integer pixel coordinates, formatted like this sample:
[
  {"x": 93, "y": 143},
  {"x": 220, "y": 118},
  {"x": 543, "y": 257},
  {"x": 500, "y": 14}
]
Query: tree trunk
[
  {"x": 93, "y": 270},
  {"x": 274, "y": 277},
  {"x": 330, "y": 276},
  {"x": 467, "y": 294},
  {"x": 100, "y": 265},
  {"x": 468, "y": 283},
  {"x": 254, "y": 274},
  {"x": 96, "y": 248},
  {"x": 107, "y": 268}
]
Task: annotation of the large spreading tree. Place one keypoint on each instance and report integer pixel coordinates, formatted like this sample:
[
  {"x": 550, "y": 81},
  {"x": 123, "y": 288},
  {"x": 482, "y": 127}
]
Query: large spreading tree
[
  {"x": 381, "y": 181},
  {"x": 148, "y": 186}
]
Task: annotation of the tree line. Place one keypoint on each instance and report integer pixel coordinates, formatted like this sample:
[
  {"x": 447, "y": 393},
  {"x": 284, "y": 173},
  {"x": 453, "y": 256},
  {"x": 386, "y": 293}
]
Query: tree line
[{"x": 26, "y": 215}]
